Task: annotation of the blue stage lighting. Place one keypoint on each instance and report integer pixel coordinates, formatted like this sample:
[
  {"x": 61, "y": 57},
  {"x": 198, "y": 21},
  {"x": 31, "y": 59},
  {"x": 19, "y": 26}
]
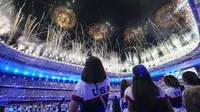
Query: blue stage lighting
[
  {"x": 117, "y": 79},
  {"x": 25, "y": 73},
  {"x": 16, "y": 70},
  {"x": 7, "y": 67},
  {"x": 33, "y": 74},
  {"x": 64, "y": 79},
  {"x": 58, "y": 78},
  {"x": 53, "y": 77},
  {"x": 41, "y": 75},
  {"x": 47, "y": 76},
  {"x": 11, "y": 109}
]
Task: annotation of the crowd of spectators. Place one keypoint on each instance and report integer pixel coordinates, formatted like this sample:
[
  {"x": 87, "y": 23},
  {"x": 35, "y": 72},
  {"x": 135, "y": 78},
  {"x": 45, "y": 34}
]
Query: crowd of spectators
[
  {"x": 38, "y": 107},
  {"x": 14, "y": 88},
  {"x": 29, "y": 94},
  {"x": 21, "y": 81},
  {"x": 91, "y": 93}
]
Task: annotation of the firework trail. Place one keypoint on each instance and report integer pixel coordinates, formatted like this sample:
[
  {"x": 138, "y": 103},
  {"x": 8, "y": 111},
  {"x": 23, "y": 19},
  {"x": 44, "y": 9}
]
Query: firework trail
[{"x": 6, "y": 11}]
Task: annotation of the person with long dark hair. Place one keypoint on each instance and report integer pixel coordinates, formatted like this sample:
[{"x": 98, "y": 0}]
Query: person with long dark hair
[
  {"x": 91, "y": 93},
  {"x": 145, "y": 96},
  {"x": 123, "y": 91},
  {"x": 173, "y": 91},
  {"x": 190, "y": 78}
]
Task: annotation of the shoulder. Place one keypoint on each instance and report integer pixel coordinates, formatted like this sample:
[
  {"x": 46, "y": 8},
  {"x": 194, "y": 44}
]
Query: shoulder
[
  {"x": 169, "y": 90},
  {"x": 184, "y": 91},
  {"x": 162, "y": 92},
  {"x": 80, "y": 84},
  {"x": 188, "y": 90},
  {"x": 107, "y": 80},
  {"x": 127, "y": 90},
  {"x": 78, "y": 92},
  {"x": 185, "y": 94},
  {"x": 129, "y": 94}
]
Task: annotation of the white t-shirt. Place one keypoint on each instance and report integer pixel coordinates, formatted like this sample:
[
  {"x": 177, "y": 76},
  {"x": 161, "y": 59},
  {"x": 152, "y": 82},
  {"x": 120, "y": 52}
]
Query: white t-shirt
[
  {"x": 175, "y": 96},
  {"x": 126, "y": 91},
  {"x": 63, "y": 107},
  {"x": 87, "y": 94},
  {"x": 173, "y": 92},
  {"x": 125, "y": 102},
  {"x": 129, "y": 94}
]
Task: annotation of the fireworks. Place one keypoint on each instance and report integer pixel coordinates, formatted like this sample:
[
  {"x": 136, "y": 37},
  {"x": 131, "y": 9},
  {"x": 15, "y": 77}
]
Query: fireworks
[
  {"x": 99, "y": 31},
  {"x": 134, "y": 35},
  {"x": 6, "y": 10},
  {"x": 166, "y": 16},
  {"x": 186, "y": 13},
  {"x": 64, "y": 17},
  {"x": 5, "y": 25}
]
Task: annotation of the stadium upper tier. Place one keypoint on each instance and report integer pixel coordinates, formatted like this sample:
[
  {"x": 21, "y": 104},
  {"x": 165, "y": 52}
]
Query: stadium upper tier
[{"x": 18, "y": 63}]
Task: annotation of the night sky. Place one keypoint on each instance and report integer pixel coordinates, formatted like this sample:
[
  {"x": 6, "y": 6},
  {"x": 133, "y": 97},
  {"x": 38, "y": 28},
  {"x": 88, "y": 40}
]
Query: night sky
[{"x": 119, "y": 13}]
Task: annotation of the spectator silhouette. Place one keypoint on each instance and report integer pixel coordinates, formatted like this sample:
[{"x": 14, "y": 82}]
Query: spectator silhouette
[
  {"x": 93, "y": 89},
  {"x": 116, "y": 105},
  {"x": 145, "y": 96},
  {"x": 173, "y": 91},
  {"x": 190, "y": 78}
]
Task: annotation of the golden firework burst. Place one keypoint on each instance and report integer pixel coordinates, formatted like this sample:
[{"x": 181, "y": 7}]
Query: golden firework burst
[
  {"x": 64, "y": 17},
  {"x": 166, "y": 16},
  {"x": 134, "y": 35},
  {"x": 99, "y": 31}
]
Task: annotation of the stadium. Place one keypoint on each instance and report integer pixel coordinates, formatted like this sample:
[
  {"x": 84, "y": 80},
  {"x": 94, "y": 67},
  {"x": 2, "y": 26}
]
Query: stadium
[{"x": 45, "y": 47}]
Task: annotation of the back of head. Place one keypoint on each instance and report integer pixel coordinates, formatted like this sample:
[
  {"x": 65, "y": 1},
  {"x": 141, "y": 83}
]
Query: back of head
[
  {"x": 191, "y": 99},
  {"x": 144, "y": 90},
  {"x": 94, "y": 71},
  {"x": 123, "y": 85},
  {"x": 171, "y": 81},
  {"x": 191, "y": 78}
]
